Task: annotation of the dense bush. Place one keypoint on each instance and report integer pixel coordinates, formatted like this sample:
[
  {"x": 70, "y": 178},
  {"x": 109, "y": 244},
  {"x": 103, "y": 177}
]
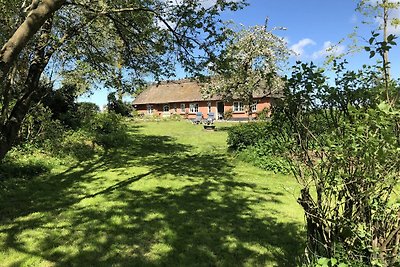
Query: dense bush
[
  {"x": 255, "y": 143},
  {"x": 264, "y": 114},
  {"x": 108, "y": 130},
  {"x": 62, "y": 104},
  {"x": 91, "y": 133},
  {"x": 78, "y": 144},
  {"x": 83, "y": 114},
  {"x": 247, "y": 134},
  {"x": 118, "y": 106},
  {"x": 35, "y": 125},
  {"x": 25, "y": 162},
  {"x": 261, "y": 155}
]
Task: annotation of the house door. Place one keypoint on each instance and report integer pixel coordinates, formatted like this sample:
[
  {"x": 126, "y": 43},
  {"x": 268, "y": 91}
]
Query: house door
[{"x": 220, "y": 110}]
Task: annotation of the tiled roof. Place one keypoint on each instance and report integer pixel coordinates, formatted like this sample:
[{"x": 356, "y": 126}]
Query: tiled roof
[{"x": 175, "y": 91}]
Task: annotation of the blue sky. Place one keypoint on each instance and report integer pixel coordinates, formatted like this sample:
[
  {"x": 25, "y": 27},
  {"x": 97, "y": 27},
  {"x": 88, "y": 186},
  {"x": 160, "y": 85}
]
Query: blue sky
[{"x": 312, "y": 27}]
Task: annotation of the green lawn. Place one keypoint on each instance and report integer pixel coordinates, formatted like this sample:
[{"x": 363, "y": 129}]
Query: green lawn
[{"x": 173, "y": 196}]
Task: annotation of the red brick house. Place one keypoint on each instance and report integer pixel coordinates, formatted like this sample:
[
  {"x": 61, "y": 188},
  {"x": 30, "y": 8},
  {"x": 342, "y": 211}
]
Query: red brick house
[{"x": 184, "y": 97}]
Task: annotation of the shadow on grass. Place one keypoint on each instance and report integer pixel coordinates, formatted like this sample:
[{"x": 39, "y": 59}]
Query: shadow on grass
[
  {"x": 10, "y": 169},
  {"x": 205, "y": 221}
]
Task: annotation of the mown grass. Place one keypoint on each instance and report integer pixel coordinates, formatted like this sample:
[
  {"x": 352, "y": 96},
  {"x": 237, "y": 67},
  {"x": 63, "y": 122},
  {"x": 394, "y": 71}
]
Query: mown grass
[{"x": 172, "y": 196}]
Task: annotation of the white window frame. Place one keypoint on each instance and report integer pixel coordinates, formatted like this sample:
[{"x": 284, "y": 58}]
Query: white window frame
[
  {"x": 209, "y": 107},
  {"x": 194, "y": 107},
  {"x": 183, "y": 108},
  {"x": 150, "y": 109},
  {"x": 238, "y": 106},
  {"x": 254, "y": 106},
  {"x": 165, "y": 108}
]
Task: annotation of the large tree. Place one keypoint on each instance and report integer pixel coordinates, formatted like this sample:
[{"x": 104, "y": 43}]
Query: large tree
[
  {"x": 93, "y": 42},
  {"x": 249, "y": 64}
]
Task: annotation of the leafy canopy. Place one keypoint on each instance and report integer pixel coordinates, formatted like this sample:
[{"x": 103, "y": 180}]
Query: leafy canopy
[{"x": 251, "y": 62}]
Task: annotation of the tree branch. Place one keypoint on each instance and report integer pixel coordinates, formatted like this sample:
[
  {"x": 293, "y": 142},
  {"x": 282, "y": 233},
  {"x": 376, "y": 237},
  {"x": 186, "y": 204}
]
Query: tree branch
[{"x": 33, "y": 22}]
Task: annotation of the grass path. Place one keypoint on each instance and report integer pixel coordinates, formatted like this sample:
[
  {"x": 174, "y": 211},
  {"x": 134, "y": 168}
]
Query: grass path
[{"x": 173, "y": 196}]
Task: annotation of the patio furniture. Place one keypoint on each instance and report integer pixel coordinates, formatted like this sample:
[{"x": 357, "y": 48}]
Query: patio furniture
[
  {"x": 210, "y": 118},
  {"x": 199, "y": 118}
]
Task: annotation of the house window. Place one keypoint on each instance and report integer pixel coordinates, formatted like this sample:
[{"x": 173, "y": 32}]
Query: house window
[
  {"x": 166, "y": 108},
  {"x": 149, "y": 109},
  {"x": 194, "y": 108},
  {"x": 183, "y": 108},
  {"x": 254, "y": 106},
  {"x": 209, "y": 107},
  {"x": 238, "y": 106},
  {"x": 175, "y": 108}
]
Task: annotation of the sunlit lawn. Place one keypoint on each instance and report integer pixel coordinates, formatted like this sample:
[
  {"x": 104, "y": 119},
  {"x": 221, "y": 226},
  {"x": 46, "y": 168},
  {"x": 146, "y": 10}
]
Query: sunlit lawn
[{"x": 173, "y": 196}]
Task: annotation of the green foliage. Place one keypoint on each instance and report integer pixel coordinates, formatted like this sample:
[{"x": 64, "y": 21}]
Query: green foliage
[
  {"x": 339, "y": 259},
  {"x": 108, "y": 130},
  {"x": 249, "y": 64},
  {"x": 342, "y": 141},
  {"x": 247, "y": 134},
  {"x": 62, "y": 104},
  {"x": 255, "y": 143},
  {"x": 265, "y": 157},
  {"x": 118, "y": 106},
  {"x": 93, "y": 131},
  {"x": 64, "y": 108},
  {"x": 264, "y": 114},
  {"x": 56, "y": 139},
  {"x": 125, "y": 43},
  {"x": 85, "y": 112},
  {"x": 24, "y": 164},
  {"x": 136, "y": 114},
  {"x": 331, "y": 262},
  {"x": 175, "y": 185},
  {"x": 78, "y": 144},
  {"x": 37, "y": 125}
]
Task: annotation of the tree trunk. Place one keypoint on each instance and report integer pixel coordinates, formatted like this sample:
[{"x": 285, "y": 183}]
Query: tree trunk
[
  {"x": 33, "y": 22},
  {"x": 9, "y": 130},
  {"x": 33, "y": 92},
  {"x": 386, "y": 63}
]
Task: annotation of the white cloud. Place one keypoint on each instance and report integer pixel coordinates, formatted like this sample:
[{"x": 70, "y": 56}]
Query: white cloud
[
  {"x": 298, "y": 48},
  {"x": 328, "y": 49}
]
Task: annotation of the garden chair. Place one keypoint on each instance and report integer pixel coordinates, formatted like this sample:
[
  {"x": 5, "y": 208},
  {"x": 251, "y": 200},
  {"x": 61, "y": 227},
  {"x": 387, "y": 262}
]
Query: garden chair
[
  {"x": 210, "y": 118},
  {"x": 199, "y": 118}
]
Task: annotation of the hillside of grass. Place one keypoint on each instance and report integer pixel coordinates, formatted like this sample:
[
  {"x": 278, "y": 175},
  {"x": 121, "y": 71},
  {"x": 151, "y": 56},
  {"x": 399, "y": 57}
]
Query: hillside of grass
[{"x": 172, "y": 195}]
